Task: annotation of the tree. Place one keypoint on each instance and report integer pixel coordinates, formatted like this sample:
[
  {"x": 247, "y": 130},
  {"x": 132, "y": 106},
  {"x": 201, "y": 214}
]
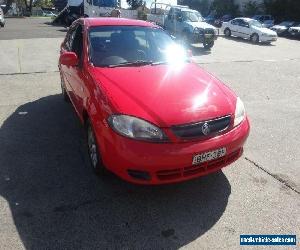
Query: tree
[
  {"x": 251, "y": 8},
  {"x": 223, "y": 7},
  {"x": 201, "y": 5},
  {"x": 28, "y": 5},
  {"x": 283, "y": 9},
  {"x": 134, "y": 4},
  {"x": 43, "y": 3},
  {"x": 7, "y": 6}
]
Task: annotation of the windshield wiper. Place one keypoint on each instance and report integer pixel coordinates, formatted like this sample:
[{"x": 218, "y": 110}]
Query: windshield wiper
[{"x": 135, "y": 63}]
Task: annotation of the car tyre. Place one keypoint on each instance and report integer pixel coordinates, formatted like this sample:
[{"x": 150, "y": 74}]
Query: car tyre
[
  {"x": 254, "y": 38},
  {"x": 208, "y": 45},
  {"x": 227, "y": 32},
  {"x": 93, "y": 151}
]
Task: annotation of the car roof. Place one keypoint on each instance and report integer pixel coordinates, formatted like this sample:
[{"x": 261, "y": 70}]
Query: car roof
[
  {"x": 244, "y": 19},
  {"x": 110, "y": 21}
]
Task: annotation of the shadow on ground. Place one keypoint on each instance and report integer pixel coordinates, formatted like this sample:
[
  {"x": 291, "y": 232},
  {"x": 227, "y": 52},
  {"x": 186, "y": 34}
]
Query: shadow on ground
[
  {"x": 198, "y": 51},
  {"x": 57, "y": 203},
  {"x": 239, "y": 39}
]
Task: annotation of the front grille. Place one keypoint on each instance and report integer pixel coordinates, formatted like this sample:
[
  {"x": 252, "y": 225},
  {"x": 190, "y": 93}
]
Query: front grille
[
  {"x": 209, "y": 31},
  {"x": 195, "y": 130},
  {"x": 177, "y": 173}
]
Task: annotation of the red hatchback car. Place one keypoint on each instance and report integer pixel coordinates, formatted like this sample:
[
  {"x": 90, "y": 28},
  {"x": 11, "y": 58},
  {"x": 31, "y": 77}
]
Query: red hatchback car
[{"x": 151, "y": 115}]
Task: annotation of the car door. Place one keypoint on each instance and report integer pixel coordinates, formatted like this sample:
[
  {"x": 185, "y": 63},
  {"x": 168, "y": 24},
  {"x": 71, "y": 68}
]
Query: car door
[
  {"x": 172, "y": 21},
  {"x": 74, "y": 74},
  {"x": 169, "y": 22},
  {"x": 179, "y": 23},
  {"x": 234, "y": 27},
  {"x": 66, "y": 70},
  {"x": 244, "y": 29}
]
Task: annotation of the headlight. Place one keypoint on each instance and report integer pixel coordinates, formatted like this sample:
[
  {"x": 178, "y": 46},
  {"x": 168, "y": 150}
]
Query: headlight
[
  {"x": 136, "y": 128},
  {"x": 239, "y": 114},
  {"x": 198, "y": 30}
]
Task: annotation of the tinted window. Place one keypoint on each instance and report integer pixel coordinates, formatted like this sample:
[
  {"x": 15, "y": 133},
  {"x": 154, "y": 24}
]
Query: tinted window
[
  {"x": 234, "y": 22},
  {"x": 77, "y": 42},
  {"x": 243, "y": 23}
]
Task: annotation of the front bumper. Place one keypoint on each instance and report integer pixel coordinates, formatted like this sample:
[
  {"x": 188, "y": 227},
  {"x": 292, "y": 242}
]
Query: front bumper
[
  {"x": 268, "y": 38},
  {"x": 160, "y": 163},
  {"x": 197, "y": 37}
]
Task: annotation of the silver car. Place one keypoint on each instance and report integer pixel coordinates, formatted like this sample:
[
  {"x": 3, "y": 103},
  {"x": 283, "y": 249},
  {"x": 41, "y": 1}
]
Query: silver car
[{"x": 2, "y": 20}]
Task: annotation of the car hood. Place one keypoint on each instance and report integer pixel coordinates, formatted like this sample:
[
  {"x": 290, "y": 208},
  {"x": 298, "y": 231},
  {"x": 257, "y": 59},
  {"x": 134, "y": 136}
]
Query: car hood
[
  {"x": 201, "y": 25},
  {"x": 265, "y": 30},
  {"x": 165, "y": 95}
]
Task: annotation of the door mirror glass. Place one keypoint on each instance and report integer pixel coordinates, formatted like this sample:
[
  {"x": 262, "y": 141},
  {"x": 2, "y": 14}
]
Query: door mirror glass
[{"x": 69, "y": 59}]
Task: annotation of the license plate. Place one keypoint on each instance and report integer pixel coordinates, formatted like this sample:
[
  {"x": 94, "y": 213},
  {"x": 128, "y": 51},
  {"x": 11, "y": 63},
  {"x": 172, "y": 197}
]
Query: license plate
[
  {"x": 208, "y": 35},
  {"x": 208, "y": 156}
]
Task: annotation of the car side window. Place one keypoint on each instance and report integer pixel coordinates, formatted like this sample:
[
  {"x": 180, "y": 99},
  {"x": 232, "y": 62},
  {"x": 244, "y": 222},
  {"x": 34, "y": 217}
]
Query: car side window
[
  {"x": 242, "y": 23},
  {"x": 77, "y": 42},
  {"x": 69, "y": 39},
  {"x": 234, "y": 22}
]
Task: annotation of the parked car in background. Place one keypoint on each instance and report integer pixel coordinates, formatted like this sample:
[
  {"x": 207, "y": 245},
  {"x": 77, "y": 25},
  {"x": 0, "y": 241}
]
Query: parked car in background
[
  {"x": 2, "y": 20},
  {"x": 151, "y": 115},
  {"x": 47, "y": 13},
  {"x": 211, "y": 18},
  {"x": 294, "y": 31},
  {"x": 268, "y": 24},
  {"x": 225, "y": 18},
  {"x": 266, "y": 20},
  {"x": 249, "y": 29},
  {"x": 186, "y": 24},
  {"x": 282, "y": 28}
]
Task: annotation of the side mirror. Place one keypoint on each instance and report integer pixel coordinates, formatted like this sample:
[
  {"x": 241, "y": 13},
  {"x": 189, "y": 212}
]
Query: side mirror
[{"x": 69, "y": 59}]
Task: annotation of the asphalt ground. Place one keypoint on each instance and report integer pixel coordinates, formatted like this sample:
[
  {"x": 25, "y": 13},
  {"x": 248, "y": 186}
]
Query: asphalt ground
[{"x": 50, "y": 199}]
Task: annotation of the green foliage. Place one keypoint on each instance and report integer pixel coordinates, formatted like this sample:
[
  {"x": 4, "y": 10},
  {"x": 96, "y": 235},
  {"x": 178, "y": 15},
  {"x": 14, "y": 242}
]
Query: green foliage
[
  {"x": 44, "y": 3},
  {"x": 222, "y": 7},
  {"x": 134, "y": 4},
  {"x": 251, "y": 8},
  {"x": 283, "y": 9}
]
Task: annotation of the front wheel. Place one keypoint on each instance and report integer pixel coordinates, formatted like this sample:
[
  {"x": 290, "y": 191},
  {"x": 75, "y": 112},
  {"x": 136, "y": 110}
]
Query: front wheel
[
  {"x": 227, "y": 32},
  {"x": 208, "y": 45},
  {"x": 254, "y": 38},
  {"x": 94, "y": 155}
]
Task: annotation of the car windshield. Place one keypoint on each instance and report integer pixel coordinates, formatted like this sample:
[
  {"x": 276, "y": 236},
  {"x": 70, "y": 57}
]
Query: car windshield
[
  {"x": 192, "y": 16},
  {"x": 255, "y": 24},
  {"x": 112, "y": 46},
  {"x": 286, "y": 23}
]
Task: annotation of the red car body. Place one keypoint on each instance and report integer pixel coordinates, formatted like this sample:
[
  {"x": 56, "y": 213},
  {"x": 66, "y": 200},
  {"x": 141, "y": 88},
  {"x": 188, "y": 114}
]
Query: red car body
[{"x": 167, "y": 98}]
